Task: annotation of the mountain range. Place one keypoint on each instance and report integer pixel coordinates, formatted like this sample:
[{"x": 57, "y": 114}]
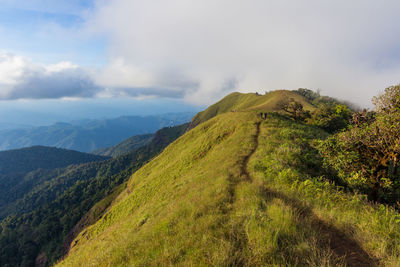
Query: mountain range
[{"x": 89, "y": 135}]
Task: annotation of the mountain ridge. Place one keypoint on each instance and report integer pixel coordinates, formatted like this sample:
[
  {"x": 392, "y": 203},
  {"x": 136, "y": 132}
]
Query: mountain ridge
[{"x": 239, "y": 190}]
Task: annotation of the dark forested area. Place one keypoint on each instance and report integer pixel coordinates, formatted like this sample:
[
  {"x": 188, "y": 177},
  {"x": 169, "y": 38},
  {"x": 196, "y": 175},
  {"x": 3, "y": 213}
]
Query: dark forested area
[{"x": 24, "y": 171}]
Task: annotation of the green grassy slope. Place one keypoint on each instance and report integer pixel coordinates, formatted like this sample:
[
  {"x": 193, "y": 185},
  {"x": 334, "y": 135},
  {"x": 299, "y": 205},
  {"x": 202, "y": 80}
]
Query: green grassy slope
[{"x": 239, "y": 191}]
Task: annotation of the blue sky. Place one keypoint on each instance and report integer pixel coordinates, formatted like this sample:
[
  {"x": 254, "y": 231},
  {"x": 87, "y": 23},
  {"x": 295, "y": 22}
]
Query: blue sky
[
  {"x": 193, "y": 52},
  {"x": 49, "y": 31}
]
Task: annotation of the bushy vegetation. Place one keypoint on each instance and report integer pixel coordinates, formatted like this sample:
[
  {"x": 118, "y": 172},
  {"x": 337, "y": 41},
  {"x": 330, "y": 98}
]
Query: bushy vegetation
[
  {"x": 366, "y": 156},
  {"x": 331, "y": 118},
  {"x": 293, "y": 108},
  {"x": 54, "y": 208}
]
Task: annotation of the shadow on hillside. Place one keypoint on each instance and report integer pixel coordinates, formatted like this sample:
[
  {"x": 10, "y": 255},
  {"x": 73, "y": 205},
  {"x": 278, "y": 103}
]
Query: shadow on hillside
[{"x": 343, "y": 246}]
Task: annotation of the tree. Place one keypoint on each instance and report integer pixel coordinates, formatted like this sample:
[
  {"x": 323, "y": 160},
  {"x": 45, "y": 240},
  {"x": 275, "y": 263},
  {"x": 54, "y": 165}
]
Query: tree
[
  {"x": 294, "y": 108},
  {"x": 389, "y": 101},
  {"x": 364, "y": 116},
  {"x": 331, "y": 118}
]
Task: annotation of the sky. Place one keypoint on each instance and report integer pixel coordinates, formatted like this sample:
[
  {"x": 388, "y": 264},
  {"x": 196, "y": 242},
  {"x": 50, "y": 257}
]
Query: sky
[{"x": 192, "y": 53}]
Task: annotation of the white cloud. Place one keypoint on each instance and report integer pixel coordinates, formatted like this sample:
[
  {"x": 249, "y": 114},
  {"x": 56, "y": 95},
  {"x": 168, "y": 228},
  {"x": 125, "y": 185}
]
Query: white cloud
[
  {"x": 201, "y": 50},
  {"x": 61, "y": 66},
  {"x": 20, "y": 78}
]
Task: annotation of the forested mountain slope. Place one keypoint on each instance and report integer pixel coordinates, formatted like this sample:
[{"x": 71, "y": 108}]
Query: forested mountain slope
[
  {"x": 240, "y": 190},
  {"x": 23, "y": 170}
]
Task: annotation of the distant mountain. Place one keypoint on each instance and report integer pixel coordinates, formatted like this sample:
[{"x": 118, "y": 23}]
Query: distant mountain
[
  {"x": 125, "y": 146},
  {"x": 9, "y": 126},
  {"x": 89, "y": 135}
]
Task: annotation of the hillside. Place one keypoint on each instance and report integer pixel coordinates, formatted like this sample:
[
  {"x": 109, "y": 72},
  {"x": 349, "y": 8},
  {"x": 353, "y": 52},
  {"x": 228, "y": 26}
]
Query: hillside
[
  {"x": 89, "y": 135},
  {"x": 125, "y": 146},
  {"x": 237, "y": 190},
  {"x": 41, "y": 222}
]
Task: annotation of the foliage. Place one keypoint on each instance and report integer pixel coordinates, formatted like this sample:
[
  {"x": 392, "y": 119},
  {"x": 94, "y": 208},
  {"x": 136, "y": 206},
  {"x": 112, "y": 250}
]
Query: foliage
[
  {"x": 366, "y": 157},
  {"x": 331, "y": 118},
  {"x": 293, "y": 108},
  {"x": 54, "y": 208},
  {"x": 389, "y": 101},
  {"x": 316, "y": 99}
]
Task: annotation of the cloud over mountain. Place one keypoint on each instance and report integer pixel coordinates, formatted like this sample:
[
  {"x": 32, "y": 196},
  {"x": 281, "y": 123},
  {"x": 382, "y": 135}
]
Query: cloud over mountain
[{"x": 201, "y": 50}]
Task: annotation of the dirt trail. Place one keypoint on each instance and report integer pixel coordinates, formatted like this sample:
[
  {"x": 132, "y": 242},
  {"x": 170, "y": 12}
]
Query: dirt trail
[{"x": 243, "y": 169}]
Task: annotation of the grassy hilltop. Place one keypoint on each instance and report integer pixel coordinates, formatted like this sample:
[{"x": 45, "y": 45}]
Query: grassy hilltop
[
  {"x": 249, "y": 102},
  {"x": 237, "y": 190}
]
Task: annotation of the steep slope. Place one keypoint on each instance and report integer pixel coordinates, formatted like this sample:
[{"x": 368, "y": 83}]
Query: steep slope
[
  {"x": 239, "y": 191},
  {"x": 89, "y": 135},
  {"x": 125, "y": 146},
  {"x": 44, "y": 219}
]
